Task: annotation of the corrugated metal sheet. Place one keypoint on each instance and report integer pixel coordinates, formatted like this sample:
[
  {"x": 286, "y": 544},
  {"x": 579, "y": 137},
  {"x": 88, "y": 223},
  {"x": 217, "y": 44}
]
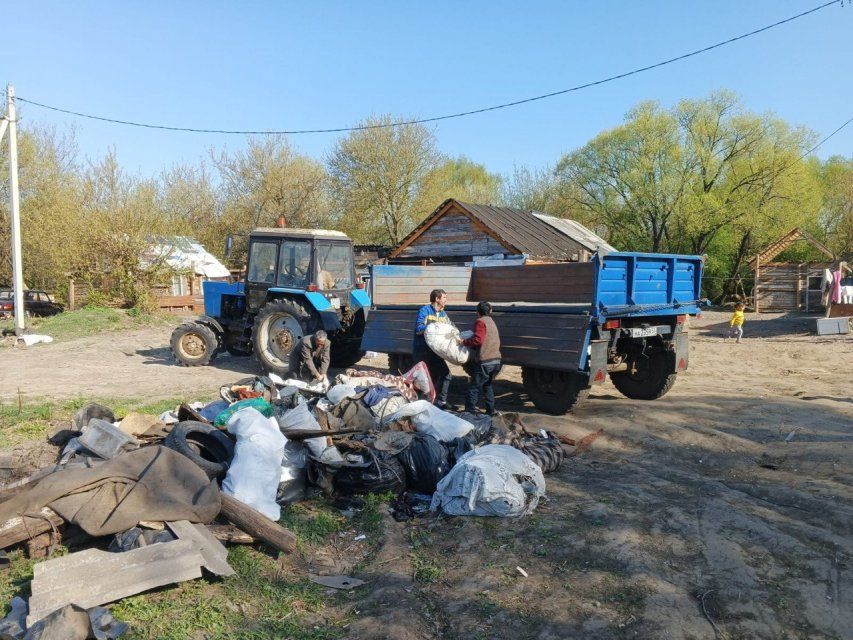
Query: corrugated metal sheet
[
  {"x": 525, "y": 232},
  {"x": 577, "y": 231}
]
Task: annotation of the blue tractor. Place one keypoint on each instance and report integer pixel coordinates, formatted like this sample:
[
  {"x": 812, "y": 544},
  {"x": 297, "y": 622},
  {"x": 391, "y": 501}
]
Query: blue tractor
[{"x": 297, "y": 281}]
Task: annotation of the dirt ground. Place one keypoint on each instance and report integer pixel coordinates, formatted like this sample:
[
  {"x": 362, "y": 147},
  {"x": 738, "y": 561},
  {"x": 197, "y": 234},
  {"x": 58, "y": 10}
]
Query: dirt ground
[{"x": 723, "y": 510}]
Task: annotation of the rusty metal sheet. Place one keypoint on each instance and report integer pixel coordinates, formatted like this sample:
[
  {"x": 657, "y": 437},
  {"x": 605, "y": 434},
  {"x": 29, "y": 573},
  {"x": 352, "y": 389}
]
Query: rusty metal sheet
[{"x": 561, "y": 283}]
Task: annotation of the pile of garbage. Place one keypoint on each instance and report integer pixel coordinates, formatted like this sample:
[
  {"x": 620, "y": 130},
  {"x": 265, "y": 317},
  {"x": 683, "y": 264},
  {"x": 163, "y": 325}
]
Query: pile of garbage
[{"x": 154, "y": 497}]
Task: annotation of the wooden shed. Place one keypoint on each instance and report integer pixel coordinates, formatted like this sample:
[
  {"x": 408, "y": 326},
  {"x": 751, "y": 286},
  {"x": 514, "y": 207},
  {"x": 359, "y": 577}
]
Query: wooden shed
[
  {"x": 789, "y": 286},
  {"x": 458, "y": 232}
]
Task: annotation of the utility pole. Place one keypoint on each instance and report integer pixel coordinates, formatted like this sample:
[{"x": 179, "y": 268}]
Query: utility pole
[{"x": 15, "y": 207}]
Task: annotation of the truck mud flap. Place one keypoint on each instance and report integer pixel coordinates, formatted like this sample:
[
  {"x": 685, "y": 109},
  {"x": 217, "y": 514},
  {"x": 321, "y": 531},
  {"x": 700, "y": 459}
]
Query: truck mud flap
[
  {"x": 681, "y": 352},
  {"x": 598, "y": 361}
]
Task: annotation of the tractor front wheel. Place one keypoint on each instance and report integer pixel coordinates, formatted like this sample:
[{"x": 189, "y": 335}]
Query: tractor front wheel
[
  {"x": 279, "y": 327},
  {"x": 194, "y": 344}
]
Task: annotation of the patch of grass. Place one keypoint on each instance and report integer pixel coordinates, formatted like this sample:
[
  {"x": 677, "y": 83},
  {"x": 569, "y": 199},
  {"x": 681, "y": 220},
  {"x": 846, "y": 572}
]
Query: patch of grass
[
  {"x": 312, "y": 522},
  {"x": 264, "y": 600},
  {"x": 369, "y": 519},
  {"x": 425, "y": 569},
  {"x": 91, "y": 320},
  {"x": 33, "y": 421},
  {"x": 629, "y": 599}
]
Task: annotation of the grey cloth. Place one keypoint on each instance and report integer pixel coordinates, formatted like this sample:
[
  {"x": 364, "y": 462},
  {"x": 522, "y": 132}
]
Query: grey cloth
[
  {"x": 495, "y": 480},
  {"x": 153, "y": 483},
  {"x": 307, "y": 360}
]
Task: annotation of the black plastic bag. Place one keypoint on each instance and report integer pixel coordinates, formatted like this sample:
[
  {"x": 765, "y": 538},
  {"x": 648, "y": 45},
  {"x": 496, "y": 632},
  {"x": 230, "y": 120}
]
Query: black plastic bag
[
  {"x": 379, "y": 473},
  {"x": 425, "y": 461},
  {"x": 482, "y": 427}
]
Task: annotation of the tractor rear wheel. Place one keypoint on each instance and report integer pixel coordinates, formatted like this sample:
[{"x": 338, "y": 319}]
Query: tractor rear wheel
[
  {"x": 278, "y": 329},
  {"x": 194, "y": 344}
]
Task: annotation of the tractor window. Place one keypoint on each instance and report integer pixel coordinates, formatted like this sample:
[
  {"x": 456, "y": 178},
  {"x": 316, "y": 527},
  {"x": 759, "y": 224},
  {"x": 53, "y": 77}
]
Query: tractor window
[
  {"x": 262, "y": 262},
  {"x": 294, "y": 264},
  {"x": 335, "y": 266}
]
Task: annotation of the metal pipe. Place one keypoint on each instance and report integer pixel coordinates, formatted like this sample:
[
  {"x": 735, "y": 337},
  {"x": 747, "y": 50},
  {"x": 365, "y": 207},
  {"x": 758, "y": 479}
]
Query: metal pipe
[{"x": 15, "y": 204}]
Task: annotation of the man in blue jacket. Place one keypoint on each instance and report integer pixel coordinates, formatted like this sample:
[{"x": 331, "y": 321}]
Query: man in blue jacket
[{"x": 438, "y": 369}]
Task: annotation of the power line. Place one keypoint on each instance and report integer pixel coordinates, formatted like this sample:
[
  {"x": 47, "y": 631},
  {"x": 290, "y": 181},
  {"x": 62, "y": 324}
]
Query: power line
[
  {"x": 460, "y": 114},
  {"x": 826, "y": 138}
]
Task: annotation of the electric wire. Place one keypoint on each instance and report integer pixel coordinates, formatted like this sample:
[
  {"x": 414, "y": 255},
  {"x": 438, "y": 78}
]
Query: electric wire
[{"x": 460, "y": 114}]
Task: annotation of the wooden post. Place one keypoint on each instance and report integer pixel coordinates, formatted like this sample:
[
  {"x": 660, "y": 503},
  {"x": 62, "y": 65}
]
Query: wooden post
[
  {"x": 257, "y": 525},
  {"x": 71, "y": 294},
  {"x": 757, "y": 275},
  {"x": 800, "y": 287}
]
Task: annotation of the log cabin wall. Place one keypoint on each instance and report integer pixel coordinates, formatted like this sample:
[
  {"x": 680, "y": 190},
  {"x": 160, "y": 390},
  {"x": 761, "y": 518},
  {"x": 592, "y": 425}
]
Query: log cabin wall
[{"x": 453, "y": 238}]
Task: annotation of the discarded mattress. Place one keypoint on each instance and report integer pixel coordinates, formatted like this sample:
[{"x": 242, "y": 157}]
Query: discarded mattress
[
  {"x": 441, "y": 338},
  {"x": 494, "y": 480}
]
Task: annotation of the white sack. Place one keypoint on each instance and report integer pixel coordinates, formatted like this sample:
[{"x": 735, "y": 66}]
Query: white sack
[
  {"x": 441, "y": 338},
  {"x": 431, "y": 420},
  {"x": 494, "y": 480},
  {"x": 340, "y": 391},
  {"x": 29, "y": 339},
  {"x": 255, "y": 471}
]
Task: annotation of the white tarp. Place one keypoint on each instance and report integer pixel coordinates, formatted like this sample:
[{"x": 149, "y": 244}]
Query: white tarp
[{"x": 494, "y": 480}]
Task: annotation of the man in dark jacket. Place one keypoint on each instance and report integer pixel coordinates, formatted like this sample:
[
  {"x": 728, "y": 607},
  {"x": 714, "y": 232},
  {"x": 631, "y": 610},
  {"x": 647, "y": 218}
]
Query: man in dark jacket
[
  {"x": 484, "y": 363},
  {"x": 309, "y": 360}
]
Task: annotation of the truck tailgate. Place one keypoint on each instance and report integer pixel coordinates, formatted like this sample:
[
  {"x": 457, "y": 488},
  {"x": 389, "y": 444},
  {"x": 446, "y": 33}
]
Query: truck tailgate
[{"x": 528, "y": 338}]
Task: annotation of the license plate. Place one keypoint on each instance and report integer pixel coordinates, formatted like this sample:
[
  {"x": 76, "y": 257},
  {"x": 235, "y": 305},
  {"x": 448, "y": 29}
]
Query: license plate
[
  {"x": 643, "y": 333},
  {"x": 335, "y": 302}
]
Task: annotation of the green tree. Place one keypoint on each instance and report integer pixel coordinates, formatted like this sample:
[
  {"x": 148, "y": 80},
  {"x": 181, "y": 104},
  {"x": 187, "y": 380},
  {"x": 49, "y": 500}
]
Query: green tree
[
  {"x": 376, "y": 177},
  {"x": 265, "y": 182},
  {"x": 836, "y": 212},
  {"x": 458, "y": 178}
]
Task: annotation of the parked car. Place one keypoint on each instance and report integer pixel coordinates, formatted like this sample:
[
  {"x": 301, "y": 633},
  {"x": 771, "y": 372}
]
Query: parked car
[{"x": 36, "y": 303}]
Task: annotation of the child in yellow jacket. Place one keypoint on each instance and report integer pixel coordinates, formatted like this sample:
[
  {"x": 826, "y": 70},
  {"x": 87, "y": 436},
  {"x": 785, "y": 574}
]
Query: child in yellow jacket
[{"x": 736, "y": 324}]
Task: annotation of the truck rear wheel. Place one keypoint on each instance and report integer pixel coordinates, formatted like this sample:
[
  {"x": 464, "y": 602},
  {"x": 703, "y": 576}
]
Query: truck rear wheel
[
  {"x": 646, "y": 378},
  {"x": 194, "y": 344},
  {"x": 279, "y": 327},
  {"x": 554, "y": 392}
]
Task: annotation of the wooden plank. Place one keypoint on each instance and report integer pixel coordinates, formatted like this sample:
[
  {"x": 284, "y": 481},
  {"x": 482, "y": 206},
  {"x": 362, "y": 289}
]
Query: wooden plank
[
  {"x": 93, "y": 577},
  {"x": 19, "y": 529},
  {"x": 214, "y": 554}
]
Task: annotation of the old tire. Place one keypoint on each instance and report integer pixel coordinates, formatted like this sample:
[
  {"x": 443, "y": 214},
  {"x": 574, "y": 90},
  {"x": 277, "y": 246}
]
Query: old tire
[
  {"x": 278, "y": 328},
  {"x": 208, "y": 447},
  {"x": 400, "y": 363},
  {"x": 194, "y": 344},
  {"x": 651, "y": 379},
  {"x": 554, "y": 392}
]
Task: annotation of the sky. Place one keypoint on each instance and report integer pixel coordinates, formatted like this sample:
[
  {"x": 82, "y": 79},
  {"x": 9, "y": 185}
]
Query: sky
[{"x": 285, "y": 65}]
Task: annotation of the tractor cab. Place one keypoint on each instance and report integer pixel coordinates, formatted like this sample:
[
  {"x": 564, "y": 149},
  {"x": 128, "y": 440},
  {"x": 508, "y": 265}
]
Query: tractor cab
[
  {"x": 297, "y": 281},
  {"x": 299, "y": 261}
]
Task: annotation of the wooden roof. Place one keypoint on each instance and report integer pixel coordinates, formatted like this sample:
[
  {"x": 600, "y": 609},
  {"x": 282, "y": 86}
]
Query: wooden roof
[
  {"x": 778, "y": 246},
  {"x": 518, "y": 230}
]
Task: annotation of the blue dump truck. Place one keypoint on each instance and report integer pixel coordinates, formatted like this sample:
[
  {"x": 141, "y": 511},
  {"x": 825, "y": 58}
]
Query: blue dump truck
[{"x": 569, "y": 326}]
